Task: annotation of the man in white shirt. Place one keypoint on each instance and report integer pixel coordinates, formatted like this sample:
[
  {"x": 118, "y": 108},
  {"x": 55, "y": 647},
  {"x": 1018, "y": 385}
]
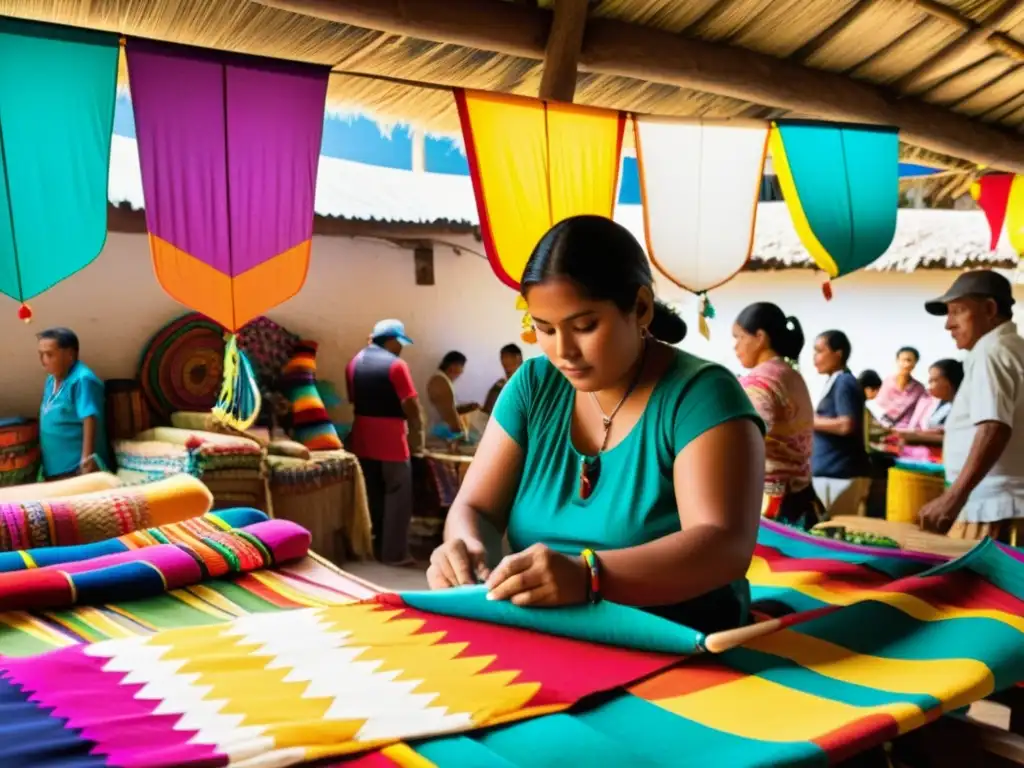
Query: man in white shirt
[{"x": 983, "y": 448}]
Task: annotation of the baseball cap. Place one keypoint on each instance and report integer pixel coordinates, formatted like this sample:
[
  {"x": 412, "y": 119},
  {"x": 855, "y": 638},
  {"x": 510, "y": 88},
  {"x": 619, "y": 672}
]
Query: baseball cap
[
  {"x": 391, "y": 329},
  {"x": 981, "y": 283}
]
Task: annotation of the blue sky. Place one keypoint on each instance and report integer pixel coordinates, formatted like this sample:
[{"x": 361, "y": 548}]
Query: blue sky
[{"x": 360, "y": 139}]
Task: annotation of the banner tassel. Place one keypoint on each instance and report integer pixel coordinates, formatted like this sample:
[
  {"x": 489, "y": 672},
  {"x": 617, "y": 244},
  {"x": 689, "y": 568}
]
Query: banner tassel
[
  {"x": 707, "y": 312},
  {"x": 239, "y": 403}
]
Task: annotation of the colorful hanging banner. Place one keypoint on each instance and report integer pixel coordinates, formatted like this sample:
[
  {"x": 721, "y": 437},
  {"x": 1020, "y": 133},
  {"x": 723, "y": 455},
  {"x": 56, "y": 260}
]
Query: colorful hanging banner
[
  {"x": 1001, "y": 197},
  {"x": 699, "y": 183},
  {"x": 57, "y": 91},
  {"x": 229, "y": 147},
  {"x": 992, "y": 194},
  {"x": 841, "y": 185},
  {"x": 534, "y": 164}
]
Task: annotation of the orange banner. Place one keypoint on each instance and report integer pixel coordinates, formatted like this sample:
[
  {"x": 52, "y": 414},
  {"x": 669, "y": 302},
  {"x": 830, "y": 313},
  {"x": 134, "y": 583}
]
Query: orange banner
[{"x": 533, "y": 164}]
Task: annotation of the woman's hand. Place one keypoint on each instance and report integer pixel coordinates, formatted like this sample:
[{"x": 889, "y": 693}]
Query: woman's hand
[
  {"x": 539, "y": 576},
  {"x": 457, "y": 562}
]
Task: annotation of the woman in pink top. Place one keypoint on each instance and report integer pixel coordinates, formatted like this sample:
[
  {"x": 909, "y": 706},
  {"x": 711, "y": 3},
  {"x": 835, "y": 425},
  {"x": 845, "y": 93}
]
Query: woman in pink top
[
  {"x": 901, "y": 392},
  {"x": 924, "y": 433},
  {"x": 768, "y": 343}
]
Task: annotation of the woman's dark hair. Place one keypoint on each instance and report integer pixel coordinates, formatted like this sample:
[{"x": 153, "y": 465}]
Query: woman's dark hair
[
  {"x": 869, "y": 379},
  {"x": 607, "y": 264},
  {"x": 911, "y": 350},
  {"x": 785, "y": 335},
  {"x": 837, "y": 341},
  {"x": 952, "y": 370},
  {"x": 452, "y": 358}
]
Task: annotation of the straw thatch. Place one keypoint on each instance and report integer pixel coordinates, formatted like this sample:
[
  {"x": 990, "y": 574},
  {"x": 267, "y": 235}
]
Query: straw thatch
[{"x": 880, "y": 41}]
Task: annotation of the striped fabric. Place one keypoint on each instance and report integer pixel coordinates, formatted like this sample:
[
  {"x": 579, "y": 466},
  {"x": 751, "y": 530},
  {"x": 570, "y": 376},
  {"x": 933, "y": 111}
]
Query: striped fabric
[{"x": 876, "y": 643}]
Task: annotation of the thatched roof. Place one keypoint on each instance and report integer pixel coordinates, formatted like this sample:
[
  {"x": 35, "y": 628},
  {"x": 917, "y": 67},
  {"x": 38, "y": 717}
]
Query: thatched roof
[
  {"x": 965, "y": 56},
  {"x": 407, "y": 205}
]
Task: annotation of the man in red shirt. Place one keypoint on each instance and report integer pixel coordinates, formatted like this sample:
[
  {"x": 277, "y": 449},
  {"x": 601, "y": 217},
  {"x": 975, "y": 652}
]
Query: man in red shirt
[{"x": 386, "y": 430}]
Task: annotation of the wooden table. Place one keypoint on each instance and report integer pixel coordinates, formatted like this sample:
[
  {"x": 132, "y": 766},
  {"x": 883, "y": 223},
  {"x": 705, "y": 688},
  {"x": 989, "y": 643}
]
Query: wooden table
[{"x": 907, "y": 535}]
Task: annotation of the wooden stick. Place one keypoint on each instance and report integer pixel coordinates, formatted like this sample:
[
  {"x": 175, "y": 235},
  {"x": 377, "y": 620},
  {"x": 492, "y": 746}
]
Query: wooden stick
[
  {"x": 562, "y": 53},
  {"x": 1001, "y": 42},
  {"x": 615, "y": 47}
]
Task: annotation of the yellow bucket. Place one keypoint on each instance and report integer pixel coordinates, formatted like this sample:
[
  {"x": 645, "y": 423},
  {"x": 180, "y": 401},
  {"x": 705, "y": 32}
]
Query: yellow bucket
[{"x": 908, "y": 491}]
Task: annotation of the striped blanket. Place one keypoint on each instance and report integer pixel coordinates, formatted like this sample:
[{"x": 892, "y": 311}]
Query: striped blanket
[{"x": 874, "y": 643}]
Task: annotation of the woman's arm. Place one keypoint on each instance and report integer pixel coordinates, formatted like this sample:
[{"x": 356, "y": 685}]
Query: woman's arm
[
  {"x": 921, "y": 436},
  {"x": 485, "y": 497},
  {"x": 719, "y": 482}
]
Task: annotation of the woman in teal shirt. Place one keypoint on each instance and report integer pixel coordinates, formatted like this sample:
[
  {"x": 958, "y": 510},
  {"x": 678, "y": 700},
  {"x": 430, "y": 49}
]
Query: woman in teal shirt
[{"x": 620, "y": 467}]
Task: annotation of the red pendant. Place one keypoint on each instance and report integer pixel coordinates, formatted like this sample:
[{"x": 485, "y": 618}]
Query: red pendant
[{"x": 585, "y": 485}]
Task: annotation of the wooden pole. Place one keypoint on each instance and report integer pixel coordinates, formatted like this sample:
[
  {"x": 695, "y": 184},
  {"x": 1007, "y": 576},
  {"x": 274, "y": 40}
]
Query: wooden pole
[
  {"x": 619, "y": 48},
  {"x": 562, "y": 53}
]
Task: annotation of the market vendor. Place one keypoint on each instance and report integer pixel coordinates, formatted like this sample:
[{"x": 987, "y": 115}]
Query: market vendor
[
  {"x": 983, "y": 447},
  {"x": 620, "y": 467},
  {"x": 72, "y": 423},
  {"x": 445, "y": 413}
]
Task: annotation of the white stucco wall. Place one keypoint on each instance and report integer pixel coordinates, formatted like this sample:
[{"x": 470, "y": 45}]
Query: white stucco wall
[{"x": 115, "y": 305}]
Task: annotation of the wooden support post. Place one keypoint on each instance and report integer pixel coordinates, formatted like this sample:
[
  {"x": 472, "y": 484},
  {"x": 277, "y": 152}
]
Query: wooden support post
[
  {"x": 614, "y": 47},
  {"x": 562, "y": 52}
]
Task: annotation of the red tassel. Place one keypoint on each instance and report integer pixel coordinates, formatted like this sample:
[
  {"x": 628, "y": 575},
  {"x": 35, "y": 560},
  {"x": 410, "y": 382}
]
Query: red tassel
[
  {"x": 826, "y": 289},
  {"x": 25, "y": 313}
]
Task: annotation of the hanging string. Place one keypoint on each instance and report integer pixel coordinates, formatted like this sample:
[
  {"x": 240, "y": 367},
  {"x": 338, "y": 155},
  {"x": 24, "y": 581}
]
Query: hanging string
[{"x": 706, "y": 312}]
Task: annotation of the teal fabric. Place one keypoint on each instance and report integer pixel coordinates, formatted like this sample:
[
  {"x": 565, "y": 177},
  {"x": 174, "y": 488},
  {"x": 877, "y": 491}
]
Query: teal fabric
[
  {"x": 606, "y": 623},
  {"x": 61, "y": 416},
  {"x": 633, "y": 499},
  {"x": 57, "y": 94},
  {"x": 847, "y": 179},
  {"x": 922, "y": 467}
]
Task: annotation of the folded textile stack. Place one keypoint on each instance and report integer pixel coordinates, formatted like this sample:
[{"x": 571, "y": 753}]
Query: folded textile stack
[
  {"x": 326, "y": 494},
  {"x": 19, "y": 451},
  {"x": 231, "y": 466},
  {"x": 100, "y": 515}
]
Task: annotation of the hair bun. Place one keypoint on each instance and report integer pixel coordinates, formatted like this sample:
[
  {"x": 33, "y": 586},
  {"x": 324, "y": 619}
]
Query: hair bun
[{"x": 667, "y": 325}]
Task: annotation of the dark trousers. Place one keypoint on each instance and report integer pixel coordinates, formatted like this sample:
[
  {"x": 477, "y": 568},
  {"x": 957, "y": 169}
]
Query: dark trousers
[{"x": 389, "y": 496}]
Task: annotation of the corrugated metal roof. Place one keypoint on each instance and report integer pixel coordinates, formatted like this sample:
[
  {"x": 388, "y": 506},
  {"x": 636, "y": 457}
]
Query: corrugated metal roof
[{"x": 346, "y": 189}]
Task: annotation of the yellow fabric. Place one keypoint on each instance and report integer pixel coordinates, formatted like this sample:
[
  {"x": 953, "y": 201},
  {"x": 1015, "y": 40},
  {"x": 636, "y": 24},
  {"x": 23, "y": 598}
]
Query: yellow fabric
[
  {"x": 796, "y": 211},
  {"x": 1015, "y": 215},
  {"x": 535, "y": 164},
  {"x": 171, "y": 500},
  {"x": 59, "y": 489}
]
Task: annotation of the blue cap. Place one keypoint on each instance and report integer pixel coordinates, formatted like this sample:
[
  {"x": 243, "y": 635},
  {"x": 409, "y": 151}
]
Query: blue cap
[{"x": 391, "y": 329}]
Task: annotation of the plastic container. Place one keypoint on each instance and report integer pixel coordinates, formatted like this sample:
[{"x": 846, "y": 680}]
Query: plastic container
[{"x": 908, "y": 491}]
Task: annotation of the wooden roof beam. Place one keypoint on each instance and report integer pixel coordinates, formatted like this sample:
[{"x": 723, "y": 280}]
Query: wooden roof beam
[
  {"x": 562, "y": 52},
  {"x": 979, "y": 33},
  {"x": 999, "y": 41},
  {"x": 615, "y": 47}
]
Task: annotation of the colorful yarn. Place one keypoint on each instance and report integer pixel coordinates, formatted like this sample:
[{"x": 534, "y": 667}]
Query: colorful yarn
[{"x": 311, "y": 424}]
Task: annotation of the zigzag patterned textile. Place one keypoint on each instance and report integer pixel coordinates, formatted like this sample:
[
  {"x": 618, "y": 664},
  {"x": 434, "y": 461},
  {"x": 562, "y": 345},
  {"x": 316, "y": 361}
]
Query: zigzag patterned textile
[{"x": 877, "y": 643}]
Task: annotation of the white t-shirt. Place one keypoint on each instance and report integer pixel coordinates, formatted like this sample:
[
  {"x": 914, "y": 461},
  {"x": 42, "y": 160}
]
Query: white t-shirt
[{"x": 992, "y": 390}]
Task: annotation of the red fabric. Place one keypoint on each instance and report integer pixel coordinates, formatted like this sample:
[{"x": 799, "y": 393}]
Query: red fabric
[
  {"x": 556, "y": 663},
  {"x": 993, "y": 196},
  {"x": 48, "y": 588}
]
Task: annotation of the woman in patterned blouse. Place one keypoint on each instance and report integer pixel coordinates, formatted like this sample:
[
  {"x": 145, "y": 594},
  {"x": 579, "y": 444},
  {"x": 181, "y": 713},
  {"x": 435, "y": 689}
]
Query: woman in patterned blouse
[{"x": 768, "y": 343}]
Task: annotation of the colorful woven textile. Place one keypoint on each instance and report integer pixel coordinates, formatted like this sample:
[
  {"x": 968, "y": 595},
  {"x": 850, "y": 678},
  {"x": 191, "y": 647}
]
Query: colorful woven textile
[
  {"x": 182, "y": 366},
  {"x": 100, "y": 515},
  {"x": 328, "y": 681},
  {"x": 19, "y": 452},
  {"x": 127, "y": 412},
  {"x": 311, "y": 425},
  {"x": 152, "y": 568},
  {"x": 809, "y": 695}
]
